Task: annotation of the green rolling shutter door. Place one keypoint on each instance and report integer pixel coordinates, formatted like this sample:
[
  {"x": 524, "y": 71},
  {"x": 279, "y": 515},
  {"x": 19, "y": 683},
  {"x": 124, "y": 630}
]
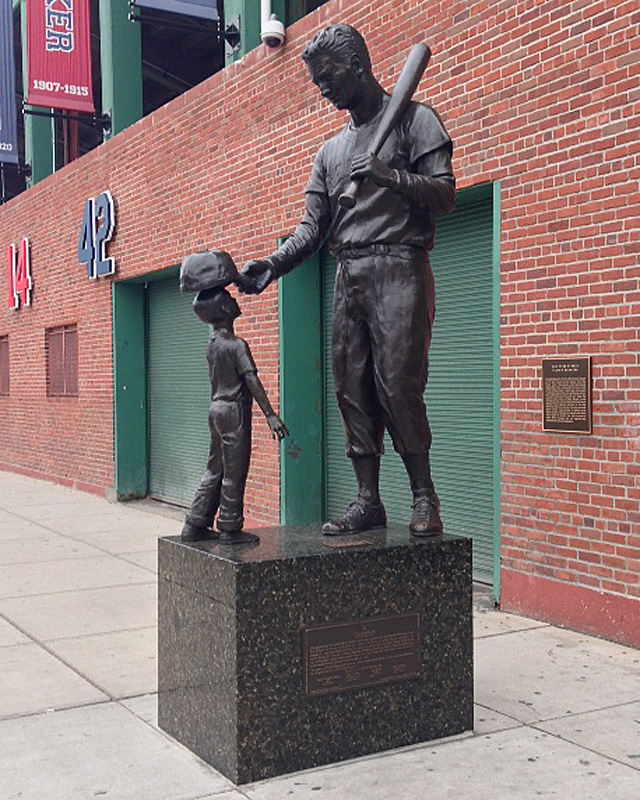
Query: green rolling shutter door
[
  {"x": 178, "y": 394},
  {"x": 459, "y": 397}
]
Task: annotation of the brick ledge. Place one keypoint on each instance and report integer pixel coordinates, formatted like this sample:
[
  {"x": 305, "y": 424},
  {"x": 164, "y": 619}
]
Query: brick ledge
[{"x": 612, "y": 617}]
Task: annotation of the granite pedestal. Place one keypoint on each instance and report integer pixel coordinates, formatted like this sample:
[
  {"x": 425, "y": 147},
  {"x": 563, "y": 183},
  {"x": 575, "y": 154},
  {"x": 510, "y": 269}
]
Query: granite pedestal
[{"x": 246, "y": 679}]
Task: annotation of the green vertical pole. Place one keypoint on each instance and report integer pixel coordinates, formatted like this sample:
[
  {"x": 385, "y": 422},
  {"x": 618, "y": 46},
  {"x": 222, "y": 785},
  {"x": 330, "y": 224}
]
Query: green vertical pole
[
  {"x": 496, "y": 392},
  {"x": 121, "y": 64},
  {"x": 249, "y": 13},
  {"x": 38, "y": 140}
]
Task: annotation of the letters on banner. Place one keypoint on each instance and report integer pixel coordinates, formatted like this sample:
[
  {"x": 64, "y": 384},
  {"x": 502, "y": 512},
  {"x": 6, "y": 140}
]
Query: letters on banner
[{"x": 59, "y": 55}]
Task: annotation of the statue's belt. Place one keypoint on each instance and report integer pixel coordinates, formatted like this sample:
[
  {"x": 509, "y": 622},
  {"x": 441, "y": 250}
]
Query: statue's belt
[{"x": 398, "y": 250}]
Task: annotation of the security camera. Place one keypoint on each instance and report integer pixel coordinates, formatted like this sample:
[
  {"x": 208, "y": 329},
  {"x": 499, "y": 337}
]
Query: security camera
[{"x": 272, "y": 33}]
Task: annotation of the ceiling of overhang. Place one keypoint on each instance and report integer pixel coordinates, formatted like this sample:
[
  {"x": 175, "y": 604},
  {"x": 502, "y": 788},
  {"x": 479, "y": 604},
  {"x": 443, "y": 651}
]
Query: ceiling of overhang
[{"x": 178, "y": 52}]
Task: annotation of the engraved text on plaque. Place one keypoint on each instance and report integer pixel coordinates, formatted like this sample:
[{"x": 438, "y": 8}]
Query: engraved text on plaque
[
  {"x": 566, "y": 394},
  {"x": 350, "y": 655}
]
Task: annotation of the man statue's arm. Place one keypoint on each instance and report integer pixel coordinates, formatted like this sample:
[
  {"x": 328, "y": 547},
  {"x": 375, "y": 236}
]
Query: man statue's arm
[
  {"x": 430, "y": 183},
  {"x": 303, "y": 243}
]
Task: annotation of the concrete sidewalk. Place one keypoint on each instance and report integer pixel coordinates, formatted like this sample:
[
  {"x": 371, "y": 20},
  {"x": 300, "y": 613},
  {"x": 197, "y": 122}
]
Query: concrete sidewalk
[{"x": 557, "y": 713}]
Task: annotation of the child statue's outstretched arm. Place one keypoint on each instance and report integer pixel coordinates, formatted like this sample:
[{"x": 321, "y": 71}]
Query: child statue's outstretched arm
[{"x": 276, "y": 425}]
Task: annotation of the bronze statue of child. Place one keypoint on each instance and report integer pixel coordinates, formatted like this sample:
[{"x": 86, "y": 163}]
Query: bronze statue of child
[{"x": 234, "y": 386}]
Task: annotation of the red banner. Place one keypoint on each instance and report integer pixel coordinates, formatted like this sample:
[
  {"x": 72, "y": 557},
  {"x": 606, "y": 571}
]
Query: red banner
[{"x": 59, "y": 54}]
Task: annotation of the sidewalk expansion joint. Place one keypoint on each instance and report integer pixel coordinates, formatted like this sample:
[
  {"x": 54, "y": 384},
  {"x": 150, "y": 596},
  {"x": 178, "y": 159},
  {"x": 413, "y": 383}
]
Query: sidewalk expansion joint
[
  {"x": 44, "y": 712},
  {"x": 573, "y": 714},
  {"x": 538, "y": 627},
  {"x": 609, "y": 758},
  {"x": 78, "y": 590},
  {"x": 64, "y": 661}
]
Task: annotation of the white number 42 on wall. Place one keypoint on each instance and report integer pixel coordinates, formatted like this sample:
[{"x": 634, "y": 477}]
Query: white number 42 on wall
[{"x": 96, "y": 229}]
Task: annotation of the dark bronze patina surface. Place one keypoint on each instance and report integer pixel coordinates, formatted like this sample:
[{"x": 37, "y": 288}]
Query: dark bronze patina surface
[
  {"x": 234, "y": 385},
  {"x": 384, "y": 298}
]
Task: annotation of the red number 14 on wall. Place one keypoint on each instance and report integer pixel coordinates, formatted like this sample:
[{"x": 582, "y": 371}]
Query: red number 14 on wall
[{"x": 19, "y": 269}]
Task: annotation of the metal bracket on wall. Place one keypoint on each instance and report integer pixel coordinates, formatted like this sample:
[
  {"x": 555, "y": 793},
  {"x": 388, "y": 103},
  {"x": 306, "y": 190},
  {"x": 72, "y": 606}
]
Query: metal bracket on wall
[
  {"x": 22, "y": 168},
  {"x": 102, "y": 121},
  {"x": 232, "y": 37}
]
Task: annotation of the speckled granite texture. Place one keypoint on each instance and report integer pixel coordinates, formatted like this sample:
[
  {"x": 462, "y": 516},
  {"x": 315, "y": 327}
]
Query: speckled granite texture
[{"x": 230, "y": 625}]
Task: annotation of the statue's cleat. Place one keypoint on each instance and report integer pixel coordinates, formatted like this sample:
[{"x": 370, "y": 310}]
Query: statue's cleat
[
  {"x": 196, "y": 533},
  {"x": 360, "y": 516},
  {"x": 425, "y": 517}
]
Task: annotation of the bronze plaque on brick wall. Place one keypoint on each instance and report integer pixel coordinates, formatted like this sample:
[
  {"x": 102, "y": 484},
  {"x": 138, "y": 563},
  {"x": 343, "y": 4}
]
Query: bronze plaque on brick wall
[
  {"x": 341, "y": 656},
  {"x": 566, "y": 394}
]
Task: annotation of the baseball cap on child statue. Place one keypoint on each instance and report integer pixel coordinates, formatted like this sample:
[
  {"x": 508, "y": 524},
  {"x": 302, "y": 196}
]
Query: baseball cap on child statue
[{"x": 207, "y": 270}]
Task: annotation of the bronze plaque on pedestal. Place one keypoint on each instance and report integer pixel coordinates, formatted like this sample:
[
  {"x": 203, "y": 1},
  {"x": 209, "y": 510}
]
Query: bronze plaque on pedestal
[
  {"x": 566, "y": 394},
  {"x": 351, "y": 655}
]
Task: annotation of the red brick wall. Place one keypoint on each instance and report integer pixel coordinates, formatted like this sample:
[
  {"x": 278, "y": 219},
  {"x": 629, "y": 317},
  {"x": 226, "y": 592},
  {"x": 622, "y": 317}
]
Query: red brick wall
[{"x": 541, "y": 95}]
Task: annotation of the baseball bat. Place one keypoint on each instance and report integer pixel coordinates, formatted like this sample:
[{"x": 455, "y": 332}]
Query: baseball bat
[{"x": 408, "y": 81}]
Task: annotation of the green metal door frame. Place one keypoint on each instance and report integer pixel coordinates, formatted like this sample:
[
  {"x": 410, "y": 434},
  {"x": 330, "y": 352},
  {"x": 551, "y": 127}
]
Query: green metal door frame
[
  {"x": 129, "y": 390},
  {"x": 300, "y": 381},
  {"x": 496, "y": 390}
]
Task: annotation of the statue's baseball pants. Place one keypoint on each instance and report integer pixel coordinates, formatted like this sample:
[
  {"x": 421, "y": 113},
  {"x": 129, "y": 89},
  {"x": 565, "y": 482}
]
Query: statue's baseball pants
[
  {"x": 383, "y": 309},
  {"x": 222, "y": 486}
]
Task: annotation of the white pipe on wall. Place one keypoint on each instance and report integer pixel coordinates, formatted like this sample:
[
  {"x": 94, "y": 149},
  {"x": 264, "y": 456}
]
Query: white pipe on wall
[{"x": 265, "y": 13}]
